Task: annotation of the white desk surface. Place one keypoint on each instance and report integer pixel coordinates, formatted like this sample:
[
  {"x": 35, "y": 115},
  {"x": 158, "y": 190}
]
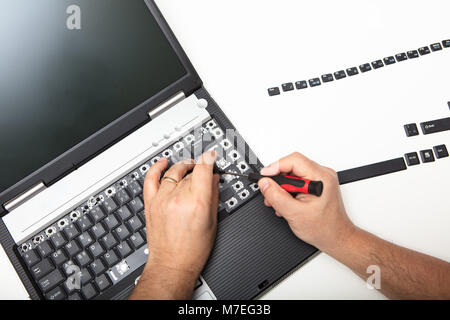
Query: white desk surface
[{"x": 241, "y": 48}]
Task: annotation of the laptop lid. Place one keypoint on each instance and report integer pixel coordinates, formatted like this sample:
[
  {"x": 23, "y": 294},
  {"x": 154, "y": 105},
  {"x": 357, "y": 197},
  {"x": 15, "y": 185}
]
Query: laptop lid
[{"x": 75, "y": 77}]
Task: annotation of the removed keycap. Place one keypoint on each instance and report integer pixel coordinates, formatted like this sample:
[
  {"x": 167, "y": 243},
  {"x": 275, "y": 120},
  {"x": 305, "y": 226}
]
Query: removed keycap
[
  {"x": 274, "y": 91},
  {"x": 377, "y": 64},
  {"x": 401, "y": 56},
  {"x": 352, "y": 71}
]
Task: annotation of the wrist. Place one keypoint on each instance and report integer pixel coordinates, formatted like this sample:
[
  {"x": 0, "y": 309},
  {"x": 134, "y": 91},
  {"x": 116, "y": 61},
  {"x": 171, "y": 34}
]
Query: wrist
[{"x": 344, "y": 240}]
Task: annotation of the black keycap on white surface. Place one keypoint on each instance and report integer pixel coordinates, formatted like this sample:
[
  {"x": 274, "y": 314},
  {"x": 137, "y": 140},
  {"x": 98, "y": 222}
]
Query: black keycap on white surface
[
  {"x": 427, "y": 155},
  {"x": 301, "y": 84},
  {"x": 401, "y": 57},
  {"x": 273, "y": 91},
  {"x": 377, "y": 64},
  {"x": 352, "y": 71},
  {"x": 411, "y": 129},
  {"x": 287, "y": 86},
  {"x": 340, "y": 75},
  {"x": 436, "y": 47},
  {"x": 314, "y": 82},
  {"x": 441, "y": 151},
  {"x": 412, "y": 159},
  {"x": 446, "y": 43},
  {"x": 424, "y": 50},
  {"x": 413, "y": 54},
  {"x": 327, "y": 77},
  {"x": 365, "y": 67},
  {"x": 389, "y": 60}
]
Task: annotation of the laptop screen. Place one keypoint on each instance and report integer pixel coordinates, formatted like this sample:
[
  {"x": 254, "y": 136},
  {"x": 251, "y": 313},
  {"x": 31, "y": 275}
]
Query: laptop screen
[{"x": 68, "y": 71}]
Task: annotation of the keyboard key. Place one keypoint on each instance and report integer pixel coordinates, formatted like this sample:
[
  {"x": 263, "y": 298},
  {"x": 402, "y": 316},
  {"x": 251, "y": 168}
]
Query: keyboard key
[
  {"x": 427, "y": 156},
  {"x": 71, "y": 232},
  {"x": 58, "y": 240},
  {"x": 96, "y": 250},
  {"x": 413, "y": 54},
  {"x": 98, "y": 230},
  {"x": 377, "y": 64},
  {"x": 97, "y": 214},
  {"x": 85, "y": 276},
  {"x": 352, "y": 71},
  {"x": 136, "y": 205},
  {"x": 56, "y": 294},
  {"x": 51, "y": 280},
  {"x": 137, "y": 241},
  {"x": 340, "y": 75},
  {"x": 287, "y": 86},
  {"x": 85, "y": 239},
  {"x": 97, "y": 267},
  {"x": 365, "y": 67},
  {"x": 435, "y": 126},
  {"x": 389, "y": 60},
  {"x": 134, "y": 224},
  {"x": 412, "y": 159},
  {"x": 436, "y": 47},
  {"x": 301, "y": 84},
  {"x": 31, "y": 257},
  {"x": 327, "y": 77},
  {"x": 68, "y": 267},
  {"x": 103, "y": 282},
  {"x": 122, "y": 197},
  {"x": 424, "y": 50},
  {"x": 42, "y": 269},
  {"x": 72, "y": 248},
  {"x": 109, "y": 241},
  {"x": 124, "y": 214},
  {"x": 84, "y": 223},
  {"x": 109, "y": 205},
  {"x": 141, "y": 216},
  {"x": 135, "y": 188},
  {"x": 401, "y": 57},
  {"x": 314, "y": 82},
  {"x": 82, "y": 259},
  {"x": 446, "y": 43},
  {"x": 411, "y": 129},
  {"x": 111, "y": 221},
  {"x": 123, "y": 249},
  {"x": 59, "y": 257},
  {"x": 74, "y": 296},
  {"x": 440, "y": 151},
  {"x": 88, "y": 291},
  {"x": 121, "y": 232},
  {"x": 44, "y": 249},
  {"x": 273, "y": 91},
  {"x": 111, "y": 258}
]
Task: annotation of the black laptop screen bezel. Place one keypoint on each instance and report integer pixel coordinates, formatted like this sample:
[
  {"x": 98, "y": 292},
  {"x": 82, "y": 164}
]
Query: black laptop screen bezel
[{"x": 116, "y": 130}]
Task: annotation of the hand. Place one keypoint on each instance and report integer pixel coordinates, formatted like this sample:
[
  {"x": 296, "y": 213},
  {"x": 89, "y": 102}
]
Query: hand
[
  {"x": 181, "y": 223},
  {"x": 319, "y": 221}
]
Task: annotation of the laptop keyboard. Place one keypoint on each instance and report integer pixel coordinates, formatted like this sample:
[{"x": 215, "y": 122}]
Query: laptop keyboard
[{"x": 90, "y": 249}]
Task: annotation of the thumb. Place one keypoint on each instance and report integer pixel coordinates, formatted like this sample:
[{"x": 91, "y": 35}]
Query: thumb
[{"x": 279, "y": 198}]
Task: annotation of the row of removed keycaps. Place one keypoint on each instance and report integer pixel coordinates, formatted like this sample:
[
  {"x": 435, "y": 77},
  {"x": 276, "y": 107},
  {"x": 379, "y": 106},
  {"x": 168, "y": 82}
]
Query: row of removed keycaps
[{"x": 363, "y": 68}]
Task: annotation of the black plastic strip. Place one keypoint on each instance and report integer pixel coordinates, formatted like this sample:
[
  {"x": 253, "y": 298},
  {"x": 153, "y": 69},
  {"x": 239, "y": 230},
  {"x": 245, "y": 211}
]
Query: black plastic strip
[
  {"x": 435, "y": 126},
  {"x": 371, "y": 170}
]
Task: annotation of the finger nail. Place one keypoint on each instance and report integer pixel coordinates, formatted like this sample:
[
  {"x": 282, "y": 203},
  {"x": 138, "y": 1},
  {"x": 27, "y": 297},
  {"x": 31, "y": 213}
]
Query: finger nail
[
  {"x": 269, "y": 170},
  {"x": 263, "y": 184}
]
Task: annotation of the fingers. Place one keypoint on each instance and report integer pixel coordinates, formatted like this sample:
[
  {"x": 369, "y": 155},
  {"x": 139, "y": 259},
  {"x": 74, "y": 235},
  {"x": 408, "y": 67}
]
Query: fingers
[
  {"x": 203, "y": 174},
  {"x": 215, "y": 195},
  {"x": 151, "y": 182},
  {"x": 177, "y": 173},
  {"x": 279, "y": 199},
  {"x": 296, "y": 163}
]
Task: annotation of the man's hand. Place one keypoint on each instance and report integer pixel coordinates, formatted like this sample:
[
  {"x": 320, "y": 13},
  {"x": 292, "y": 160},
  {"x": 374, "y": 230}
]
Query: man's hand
[
  {"x": 319, "y": 221},
  {"x": 181, "y": 227}
]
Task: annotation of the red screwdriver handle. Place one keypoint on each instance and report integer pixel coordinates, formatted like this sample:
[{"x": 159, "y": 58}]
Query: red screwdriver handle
[{"x": 294, "y": 184}]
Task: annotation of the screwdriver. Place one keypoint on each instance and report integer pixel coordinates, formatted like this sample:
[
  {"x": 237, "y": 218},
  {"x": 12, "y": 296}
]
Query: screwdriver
[{"x": 289, "y": 183}]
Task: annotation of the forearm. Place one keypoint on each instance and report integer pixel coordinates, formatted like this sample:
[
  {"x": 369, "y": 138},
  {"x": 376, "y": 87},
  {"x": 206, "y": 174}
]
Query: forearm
[
  {"x": 405, "y": 274},
  {"x": 162, "y": 283}
]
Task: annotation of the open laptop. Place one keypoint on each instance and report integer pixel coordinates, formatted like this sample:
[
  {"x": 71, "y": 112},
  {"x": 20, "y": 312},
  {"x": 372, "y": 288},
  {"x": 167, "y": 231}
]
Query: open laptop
[{"x": 86, "y": 108}]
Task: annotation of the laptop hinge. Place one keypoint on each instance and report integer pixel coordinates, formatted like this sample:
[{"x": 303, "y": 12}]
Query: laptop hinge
[
  {"x": 24, "y": 197},
  {"x": 166, "y": 105}
]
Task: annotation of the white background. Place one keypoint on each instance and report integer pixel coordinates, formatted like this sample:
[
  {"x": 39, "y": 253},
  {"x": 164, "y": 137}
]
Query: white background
[{"x": 241, "y": 48}]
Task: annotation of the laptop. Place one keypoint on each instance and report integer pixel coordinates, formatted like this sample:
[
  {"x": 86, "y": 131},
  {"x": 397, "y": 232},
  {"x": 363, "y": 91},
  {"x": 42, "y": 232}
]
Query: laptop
[{"x": 92, "y": 93}]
